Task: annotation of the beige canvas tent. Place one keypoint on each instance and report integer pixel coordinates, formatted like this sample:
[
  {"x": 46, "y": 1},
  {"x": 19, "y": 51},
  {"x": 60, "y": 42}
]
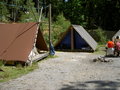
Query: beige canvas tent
[
  {"x": 117, "y": 34},
  {"x": 76, "y": 38},
  {"x": 20, "y": 41}
]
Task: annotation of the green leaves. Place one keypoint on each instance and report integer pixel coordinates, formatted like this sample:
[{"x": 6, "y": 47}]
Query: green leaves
[
  {"x": 4, "y": 12},
  {"x": 88, "y": 13},
  {"x": 74, "y": 11},
  {"x": 30, "y": 15},
  {"x": 60, "y": 26}
]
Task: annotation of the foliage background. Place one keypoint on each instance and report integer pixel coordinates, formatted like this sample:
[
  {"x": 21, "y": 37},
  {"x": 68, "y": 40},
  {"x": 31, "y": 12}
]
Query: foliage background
[{"x": 99, "y": 15}]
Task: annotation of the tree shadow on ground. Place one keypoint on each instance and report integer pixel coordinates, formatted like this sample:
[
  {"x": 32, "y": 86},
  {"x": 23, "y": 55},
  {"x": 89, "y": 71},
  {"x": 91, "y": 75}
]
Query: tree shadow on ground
[{"x": 92, "y": 85}]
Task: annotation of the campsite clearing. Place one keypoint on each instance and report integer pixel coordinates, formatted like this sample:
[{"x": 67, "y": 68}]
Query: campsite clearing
[{"x": 70, "y": 71}]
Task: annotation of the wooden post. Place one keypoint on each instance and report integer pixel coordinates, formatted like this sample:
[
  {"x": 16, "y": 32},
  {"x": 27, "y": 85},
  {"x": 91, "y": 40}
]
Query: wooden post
[
  {"x": 72, "y": 39},
  {"x": 49, "y": 25}
]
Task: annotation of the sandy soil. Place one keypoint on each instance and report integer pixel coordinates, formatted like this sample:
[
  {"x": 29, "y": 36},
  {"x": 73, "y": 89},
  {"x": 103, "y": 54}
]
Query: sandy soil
[{"x": 70, "y": 71}]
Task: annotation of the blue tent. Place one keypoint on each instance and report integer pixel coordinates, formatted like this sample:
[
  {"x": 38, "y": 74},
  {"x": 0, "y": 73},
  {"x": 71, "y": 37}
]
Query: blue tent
[{"x": 76, "y": 38}]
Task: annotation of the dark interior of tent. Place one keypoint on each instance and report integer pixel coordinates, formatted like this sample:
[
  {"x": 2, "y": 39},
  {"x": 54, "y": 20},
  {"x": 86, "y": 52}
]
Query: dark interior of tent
[
  {"x": 73, "y": 38},
  {"x": 40, "y": 43}
]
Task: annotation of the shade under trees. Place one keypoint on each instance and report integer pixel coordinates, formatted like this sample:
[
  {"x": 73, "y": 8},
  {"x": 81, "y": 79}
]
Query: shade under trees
[{"x": 94, "y": 13}]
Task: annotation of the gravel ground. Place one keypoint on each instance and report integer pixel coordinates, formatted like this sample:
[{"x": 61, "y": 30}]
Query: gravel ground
[{"x": 70, "y": 71}]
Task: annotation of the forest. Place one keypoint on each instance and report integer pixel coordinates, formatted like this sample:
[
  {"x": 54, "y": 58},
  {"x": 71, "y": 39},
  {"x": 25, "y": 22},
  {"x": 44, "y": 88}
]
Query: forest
[{"x": 91, "y": 14}]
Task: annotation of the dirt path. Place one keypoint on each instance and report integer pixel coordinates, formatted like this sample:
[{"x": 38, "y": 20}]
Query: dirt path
[{"x": 69, "y": 71}]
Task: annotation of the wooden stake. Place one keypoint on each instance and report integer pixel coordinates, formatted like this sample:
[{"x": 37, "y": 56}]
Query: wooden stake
[{"x": 72, "y": 39}]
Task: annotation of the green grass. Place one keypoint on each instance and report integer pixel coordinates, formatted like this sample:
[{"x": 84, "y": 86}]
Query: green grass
[
  {"x": 12, "y": 72},
  {"x": 51, "y": 56},
  {"x": 100, "y": 49}
]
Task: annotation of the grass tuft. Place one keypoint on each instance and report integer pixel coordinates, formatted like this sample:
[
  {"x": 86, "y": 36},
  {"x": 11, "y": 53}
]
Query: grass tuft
[
  {"x": 100, "y": 49},
  {"x": 12, "y": 72}
]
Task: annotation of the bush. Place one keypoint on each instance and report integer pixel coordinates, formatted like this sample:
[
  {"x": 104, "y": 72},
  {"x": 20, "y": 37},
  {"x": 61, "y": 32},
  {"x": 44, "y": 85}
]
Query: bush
[
  {"x": 99, "y": 35},
  {"x": 57, "y": 28},
  {"x": 60, "y": 26}
]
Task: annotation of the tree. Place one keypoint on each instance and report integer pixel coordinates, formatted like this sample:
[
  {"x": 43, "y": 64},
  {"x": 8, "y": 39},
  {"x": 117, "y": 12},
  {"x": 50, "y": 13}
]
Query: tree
[
  {"x": 107, "y": 14},
  {"x": 15, "y": 6},
  {"x": 57, "y": 6},
  {"x": 74, "y": 11},
  {"x": 4, "y": 13},
  {"x": 29, "y": 14},
  {"x": 93, "y": 13}
]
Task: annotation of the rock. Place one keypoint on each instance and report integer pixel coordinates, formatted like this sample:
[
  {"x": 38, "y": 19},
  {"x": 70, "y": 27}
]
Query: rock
[{"x": 102, "y": 59}]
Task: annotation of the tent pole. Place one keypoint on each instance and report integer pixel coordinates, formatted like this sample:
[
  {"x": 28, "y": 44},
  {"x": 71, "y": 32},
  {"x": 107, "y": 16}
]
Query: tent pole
[{"x": 49, "y": 25}]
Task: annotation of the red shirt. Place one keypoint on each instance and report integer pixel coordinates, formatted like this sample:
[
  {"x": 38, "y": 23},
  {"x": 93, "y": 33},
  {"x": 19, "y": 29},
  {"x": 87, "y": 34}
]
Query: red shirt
[{"x": 110, "y": 44}]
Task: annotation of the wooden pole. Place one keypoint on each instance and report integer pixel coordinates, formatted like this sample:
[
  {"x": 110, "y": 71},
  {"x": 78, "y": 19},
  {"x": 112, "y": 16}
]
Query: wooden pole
[
  {"x": 49, "y": 25},
  {"x": 40, "y": 15},
  {"x": 72, "y": 39}
]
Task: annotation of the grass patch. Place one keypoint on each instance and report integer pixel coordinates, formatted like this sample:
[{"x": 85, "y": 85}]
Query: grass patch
[
  {"x": 51, "y": 56},
  {"x": 100, "y": 49},
  {"x": 12, "y": 72},
  {"x": 99, "y": 35}
]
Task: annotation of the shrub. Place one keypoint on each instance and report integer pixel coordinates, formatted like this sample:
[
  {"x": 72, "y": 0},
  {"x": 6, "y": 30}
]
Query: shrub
[
  {"x": 99, "y": 35},
  {"x": 57, "y": 28},
  {"x": 60, "y": 26}
]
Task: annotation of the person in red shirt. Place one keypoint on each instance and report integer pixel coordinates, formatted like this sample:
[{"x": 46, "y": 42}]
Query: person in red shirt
[
  {"x": 110, "y": 48},
  {"x": 110, "y": 44}
]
